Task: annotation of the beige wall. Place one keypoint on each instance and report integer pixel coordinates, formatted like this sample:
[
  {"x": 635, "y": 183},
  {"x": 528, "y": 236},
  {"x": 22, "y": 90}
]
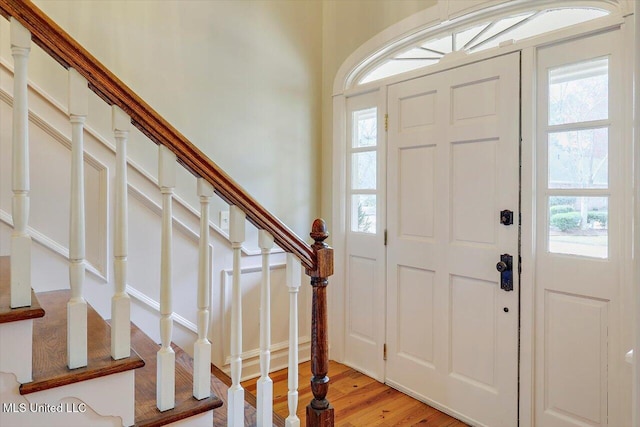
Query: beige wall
[
  {"x": 249, "y": 82},
  {"x": 347, "y": 24},
  {"x": 240, "y": 79}
]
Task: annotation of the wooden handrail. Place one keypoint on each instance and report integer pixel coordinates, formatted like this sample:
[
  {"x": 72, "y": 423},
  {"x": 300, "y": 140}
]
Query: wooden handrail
[{"x": 69, "y": 53}]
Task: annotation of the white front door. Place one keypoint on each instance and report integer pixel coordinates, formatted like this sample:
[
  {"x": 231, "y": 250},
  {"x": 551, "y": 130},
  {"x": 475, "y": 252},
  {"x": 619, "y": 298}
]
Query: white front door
[{"x": 453, "y": 166}]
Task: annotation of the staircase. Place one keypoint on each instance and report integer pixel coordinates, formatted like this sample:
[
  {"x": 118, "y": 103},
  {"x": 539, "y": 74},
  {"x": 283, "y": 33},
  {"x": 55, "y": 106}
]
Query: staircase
[{"x": 61, "y": 363}]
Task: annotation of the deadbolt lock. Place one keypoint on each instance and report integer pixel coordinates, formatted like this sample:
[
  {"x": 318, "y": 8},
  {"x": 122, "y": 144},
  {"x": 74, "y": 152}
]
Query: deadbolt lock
[
  {"x": 506, "y": 217},
  {"x": 505, "y": 267}
]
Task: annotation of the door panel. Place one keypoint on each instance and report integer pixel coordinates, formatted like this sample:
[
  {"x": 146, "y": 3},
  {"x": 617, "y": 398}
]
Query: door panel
[{"x": 453, "y": 161}]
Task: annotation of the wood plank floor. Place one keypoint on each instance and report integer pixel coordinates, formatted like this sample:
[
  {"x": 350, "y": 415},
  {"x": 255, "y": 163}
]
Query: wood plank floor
[{"x": 358, "y": 400}]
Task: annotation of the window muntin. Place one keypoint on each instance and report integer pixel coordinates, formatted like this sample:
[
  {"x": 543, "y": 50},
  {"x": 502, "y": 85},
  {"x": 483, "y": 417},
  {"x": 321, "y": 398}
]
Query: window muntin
[
  {"x": 363, "y": 165},
  {"x": 481, "y": 37}
]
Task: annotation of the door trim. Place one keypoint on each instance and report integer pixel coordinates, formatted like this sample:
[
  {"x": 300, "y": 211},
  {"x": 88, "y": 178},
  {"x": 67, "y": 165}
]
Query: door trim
[{"x": 528, "y": 249}]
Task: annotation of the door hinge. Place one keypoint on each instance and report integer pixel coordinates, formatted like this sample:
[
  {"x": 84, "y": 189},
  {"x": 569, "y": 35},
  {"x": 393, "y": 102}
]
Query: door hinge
[
  {"x": 386, "y": 122},
  {"x": 384, "y": 351},
  {"x": 385, "y": 237}
]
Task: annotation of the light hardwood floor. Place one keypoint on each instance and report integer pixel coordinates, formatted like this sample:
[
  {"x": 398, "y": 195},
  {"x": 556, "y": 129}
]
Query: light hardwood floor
[{"x": 358, "y": 400}]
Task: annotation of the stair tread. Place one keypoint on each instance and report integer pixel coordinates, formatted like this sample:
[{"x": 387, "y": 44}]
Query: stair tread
[
  {"x": 147, "y": 413},
  {"x": 50, "y": 347},
  {"x": 146, "y": 410},
  {"x": 8, "y": 314}
]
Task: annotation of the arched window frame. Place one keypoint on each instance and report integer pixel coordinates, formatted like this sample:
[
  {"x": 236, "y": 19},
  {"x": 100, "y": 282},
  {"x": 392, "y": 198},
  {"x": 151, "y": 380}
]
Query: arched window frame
[{"x": 444, "y": 18}]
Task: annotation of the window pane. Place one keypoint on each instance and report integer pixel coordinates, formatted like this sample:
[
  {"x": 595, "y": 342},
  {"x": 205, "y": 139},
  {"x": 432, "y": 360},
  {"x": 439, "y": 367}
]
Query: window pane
[
  {"x": 363, "y": 213},
  {"x": 579, "y": 92},
  {"x": 442, "y": 45},
  {"x": 363, "y": 171},
  {"x": 497, "y": 28},
  {"x": 545, "y": 22},
  {"x": 579, "y": 226},
  {"x": 579, "y": 159},
  {"x": 365, "y": 128}
]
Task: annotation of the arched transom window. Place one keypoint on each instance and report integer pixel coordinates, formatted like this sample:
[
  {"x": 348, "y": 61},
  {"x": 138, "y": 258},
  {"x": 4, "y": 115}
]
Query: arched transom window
[{"x": 476, "y": 37}]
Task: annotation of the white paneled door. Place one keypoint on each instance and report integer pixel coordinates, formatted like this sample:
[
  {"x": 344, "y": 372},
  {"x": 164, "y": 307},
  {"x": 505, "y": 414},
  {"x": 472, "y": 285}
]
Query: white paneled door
[{"x": 453, "y": 166}]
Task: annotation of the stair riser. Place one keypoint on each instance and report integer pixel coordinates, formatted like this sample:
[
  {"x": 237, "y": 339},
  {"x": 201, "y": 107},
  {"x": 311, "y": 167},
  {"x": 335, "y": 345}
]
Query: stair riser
[
  {"x": 17, "y": 357},
  {"x": 102, "y": 401},
  {"x": 112, "y": 395},
  {"x": 204, "y": 419},
  {"x": 34, "y": 410}
]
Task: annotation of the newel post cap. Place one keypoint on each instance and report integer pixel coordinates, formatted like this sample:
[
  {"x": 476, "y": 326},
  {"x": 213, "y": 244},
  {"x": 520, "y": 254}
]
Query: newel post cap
[{"x": 324, "y": 253}]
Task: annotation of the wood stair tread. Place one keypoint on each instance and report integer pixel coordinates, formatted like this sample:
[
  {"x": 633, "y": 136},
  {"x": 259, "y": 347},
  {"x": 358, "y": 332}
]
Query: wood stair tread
[
  {"x": 50, "y": 347},
  {"x": 147, "y": 413},
  {"x": 8, "y": 314}
]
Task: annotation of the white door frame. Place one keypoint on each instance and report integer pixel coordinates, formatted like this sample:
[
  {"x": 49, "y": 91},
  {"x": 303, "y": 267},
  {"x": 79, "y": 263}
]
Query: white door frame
[{"x": 528, "y": 49}]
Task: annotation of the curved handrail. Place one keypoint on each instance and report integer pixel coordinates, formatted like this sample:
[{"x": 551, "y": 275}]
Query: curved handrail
[{"x": 70, "y": 54}]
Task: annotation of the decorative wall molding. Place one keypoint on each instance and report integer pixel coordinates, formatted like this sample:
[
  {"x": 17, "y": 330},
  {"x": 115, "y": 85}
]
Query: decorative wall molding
[
  {"x": 155, "y": 305},
  {"x": 100, "y": 267},
  {"x": 8, "y": 98},
  {"x": 279, "y": 360},
  {"x": 251, "y": 357},
  {"x": 52, "y": 245},
  {"x": 155, "y": 208}
]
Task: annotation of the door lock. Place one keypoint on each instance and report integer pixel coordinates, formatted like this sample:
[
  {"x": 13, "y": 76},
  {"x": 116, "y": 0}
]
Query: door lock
[
  {"x": 505, "y": 267},
  {"x": 506, "y": 217}
]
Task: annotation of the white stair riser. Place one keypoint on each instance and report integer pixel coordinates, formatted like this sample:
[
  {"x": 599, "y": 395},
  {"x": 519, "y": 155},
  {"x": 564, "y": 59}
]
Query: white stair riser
[
  {"x": 16, "y": 358},
  {"x": 80, "y": 404},
  {"x": 204, "y": 419}
]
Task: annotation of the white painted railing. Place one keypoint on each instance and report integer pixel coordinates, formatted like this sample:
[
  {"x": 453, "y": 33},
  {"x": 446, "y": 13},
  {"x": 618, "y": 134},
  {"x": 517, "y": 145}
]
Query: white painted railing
[
  {"x": 77, "y": 306},
  {"x": 120, "y": 304},
  {"x": 294, "y": 274},
  {"x": 166, "y": 358},
  {"x": 202, "y": 347},
  {"x": 20, "y": 239},
  {"x": 265, "y": 384},
  {"x": 235, "y": 395}
]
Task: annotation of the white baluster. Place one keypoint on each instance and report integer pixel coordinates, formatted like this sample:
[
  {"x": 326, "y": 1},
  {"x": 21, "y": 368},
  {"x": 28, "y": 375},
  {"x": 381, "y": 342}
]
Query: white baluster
[
  {"x": 202, "y": 347},
  {"x": 265, "y": 384},
  {"x": 294, "y": 272},
  {"x": 235, "y": 400},
  {"x": 20, "y": 239},
  {"x": 77, "y": 306},
  {"x": 120, "y": 302},
  {"x": 165, "y": 387}
]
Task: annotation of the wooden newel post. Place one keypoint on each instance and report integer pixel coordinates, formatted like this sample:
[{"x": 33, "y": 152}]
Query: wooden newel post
[{"x": 319, "y": 411}]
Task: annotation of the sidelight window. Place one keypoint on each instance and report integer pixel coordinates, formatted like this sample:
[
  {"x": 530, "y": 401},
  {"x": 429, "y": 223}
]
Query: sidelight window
[
  {"x": 363, "y": 166},
  {"x": 578, "y": 158}
]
